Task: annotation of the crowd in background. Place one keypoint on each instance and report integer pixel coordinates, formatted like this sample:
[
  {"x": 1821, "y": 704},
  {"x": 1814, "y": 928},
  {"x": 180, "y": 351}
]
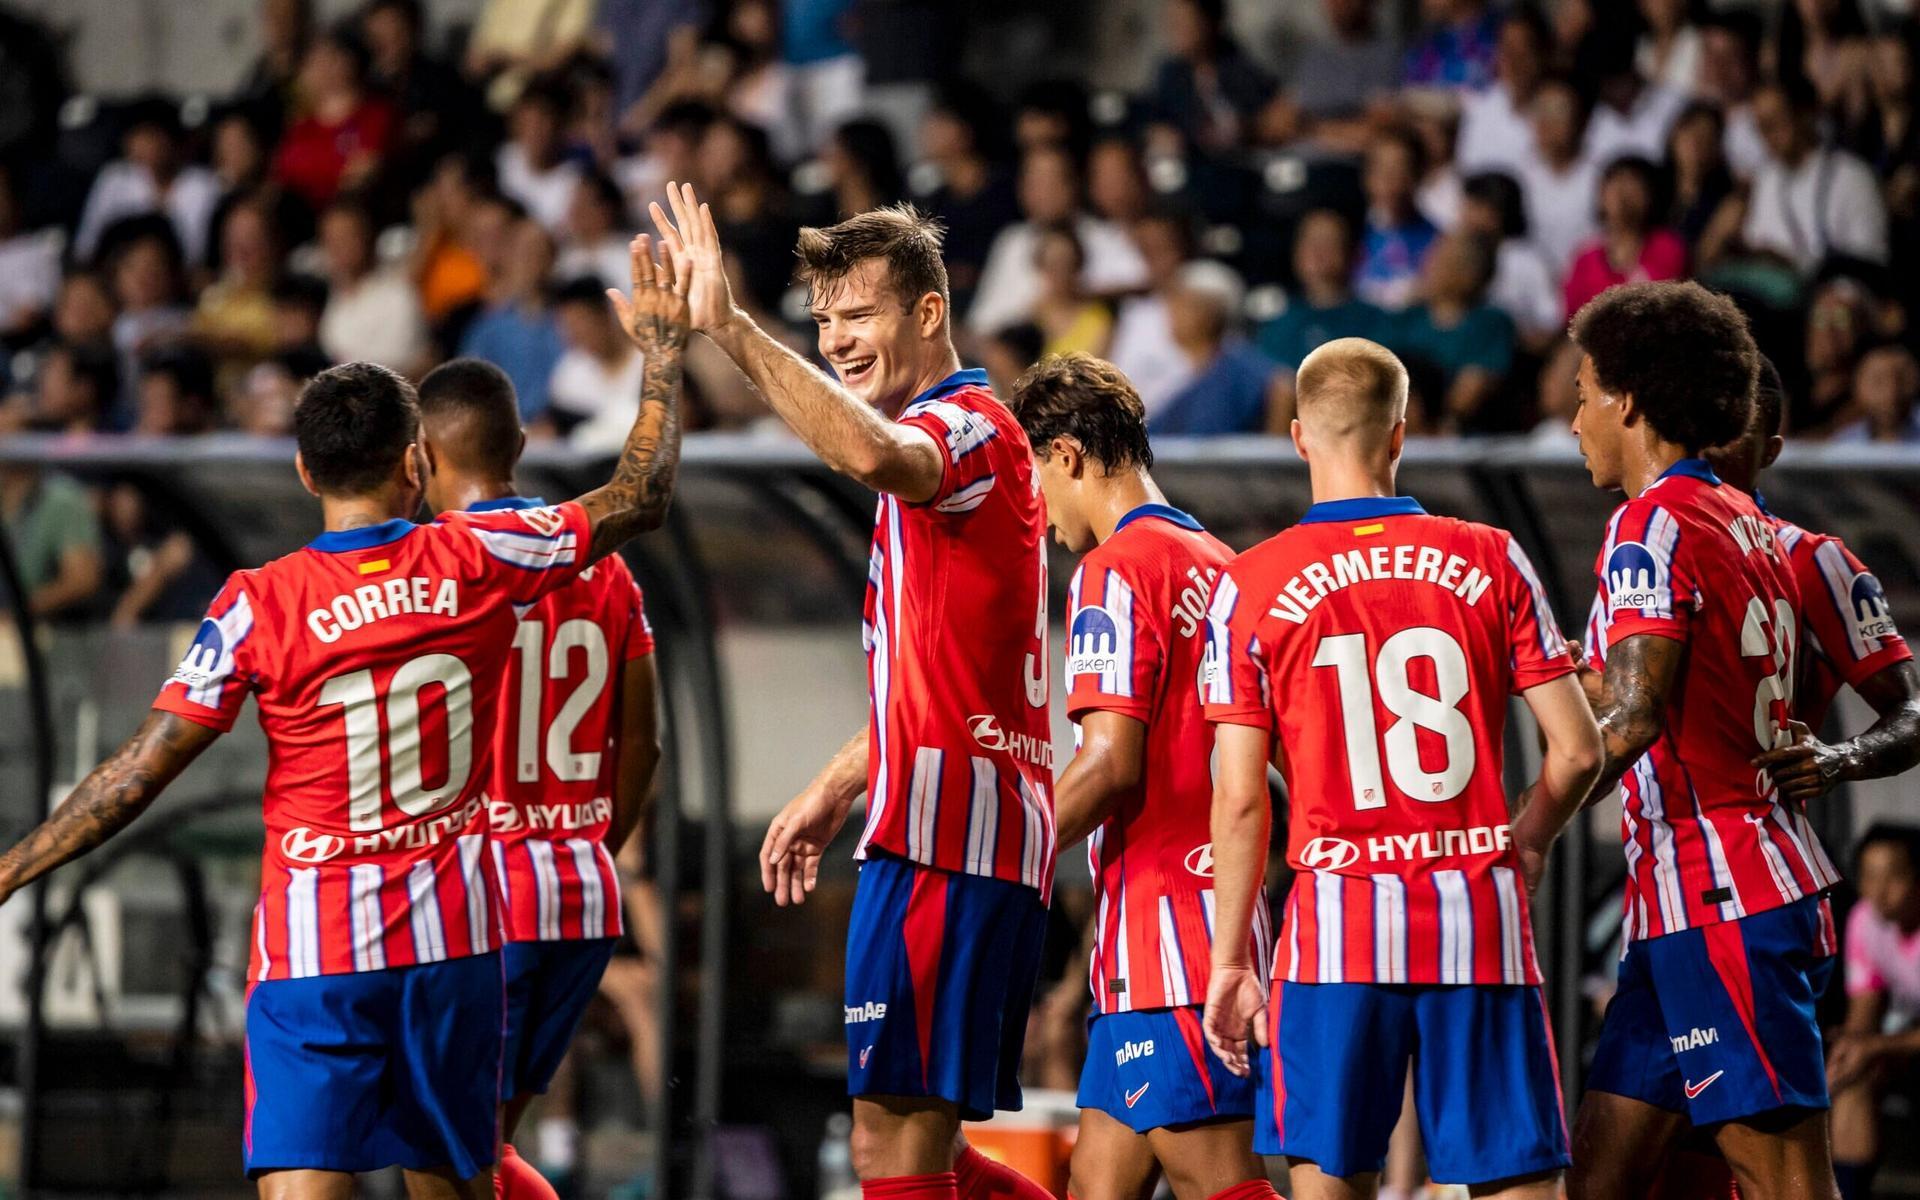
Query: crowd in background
[{"x": 1450, "y": 177}]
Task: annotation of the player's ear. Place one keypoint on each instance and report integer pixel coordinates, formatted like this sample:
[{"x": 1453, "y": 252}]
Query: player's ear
[
  {"x": 1072, "y": 459},
  {"x": 930, "y": 314},
  {"x": 1298, "y": 433},
  {"x": 1771, "y": 453},
  {"x": 413, "y": 469},
  {"x": 521, "y": 448},
  {"x": 300, "y": 469}
]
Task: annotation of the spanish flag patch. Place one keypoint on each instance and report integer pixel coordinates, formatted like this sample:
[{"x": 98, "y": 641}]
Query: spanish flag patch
[
  {"x": 375, "y": 565},
  {"x": 1358, "y": 531}
]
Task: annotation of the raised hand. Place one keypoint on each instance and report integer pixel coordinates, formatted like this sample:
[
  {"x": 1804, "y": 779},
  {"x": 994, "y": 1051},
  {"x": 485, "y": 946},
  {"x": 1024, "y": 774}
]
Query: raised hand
[
  {"x": 655, "y": 318},
  {"x": 694, "y": 246}
]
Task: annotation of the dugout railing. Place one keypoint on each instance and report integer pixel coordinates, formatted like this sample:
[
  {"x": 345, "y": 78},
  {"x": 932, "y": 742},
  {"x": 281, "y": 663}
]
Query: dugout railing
[{"x": 763, "y": 549}]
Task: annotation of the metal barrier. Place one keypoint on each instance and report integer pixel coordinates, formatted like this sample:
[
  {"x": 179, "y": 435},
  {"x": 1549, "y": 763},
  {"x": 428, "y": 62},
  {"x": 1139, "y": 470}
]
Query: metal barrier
[{"x": 761, "y": 536}]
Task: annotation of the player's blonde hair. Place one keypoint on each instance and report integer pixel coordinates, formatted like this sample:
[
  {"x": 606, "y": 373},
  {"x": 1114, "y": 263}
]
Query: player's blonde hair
[{"x": 1351, "y": 386}]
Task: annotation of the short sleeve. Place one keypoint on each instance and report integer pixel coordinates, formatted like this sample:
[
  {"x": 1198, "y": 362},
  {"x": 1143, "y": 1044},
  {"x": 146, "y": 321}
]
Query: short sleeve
[
  {"x": 529, "y": 552},
  {"x": 1863, "y": 973},
  {"x": 639, "y": 632},
  {"x": 1115, "y": 646},
  {"x": 212, "y": 682},
  {"x": 1235, "y": 676},
  {"x": 1644, "y": 576},
  {"x": 964, "y": 434},
  {"x": 1538, "y": 649},
  {"x": 1846, "y": 612}
]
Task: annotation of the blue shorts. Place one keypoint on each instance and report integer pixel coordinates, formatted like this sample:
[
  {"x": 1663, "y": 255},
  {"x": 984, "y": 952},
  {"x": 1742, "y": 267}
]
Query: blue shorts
[
  {"x": 1485, "y": 1078},
  {"x": 1153, "y": 1069},
  {"x": 940, "y": 976},
  {"x": 548, "y": 987},
  {"x": 1717, "y": 1022},
  {"x": 377, "y": 1069}
]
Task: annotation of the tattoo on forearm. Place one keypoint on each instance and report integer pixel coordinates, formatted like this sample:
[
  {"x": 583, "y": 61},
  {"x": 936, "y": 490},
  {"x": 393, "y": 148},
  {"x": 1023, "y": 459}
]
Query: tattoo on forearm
[
  {"x": 109, "y": 798},
  {"x": 636, "y": 498},
  {"x": 1892, "y": 744},
  {"x": 1633, "y": 703}
]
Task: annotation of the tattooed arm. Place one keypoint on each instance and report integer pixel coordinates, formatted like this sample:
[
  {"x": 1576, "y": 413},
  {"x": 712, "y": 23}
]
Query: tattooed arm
[
  {"x": 1630, "y": 702},
  {"x": 1810, "y": 767},
  {"x": 108, "y": 799},
  {"x": 655, "y": 319}
]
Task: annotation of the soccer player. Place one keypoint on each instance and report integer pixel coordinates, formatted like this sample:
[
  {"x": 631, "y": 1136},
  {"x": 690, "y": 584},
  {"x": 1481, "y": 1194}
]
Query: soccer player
[
  {"x": 944, "y": 940},
  {"x": 574, "y": 753},
  {"x": 376, "y": 655},
  {"x": 1153, "y": 1097},
  {"x": 1376, "y": 647},
  {"x": 1730, "y": 939}
]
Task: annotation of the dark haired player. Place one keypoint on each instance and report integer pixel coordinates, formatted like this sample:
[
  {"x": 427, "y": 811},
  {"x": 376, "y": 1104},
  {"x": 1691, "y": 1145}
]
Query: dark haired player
[
  {"x": 1730, "y": 937},
  {"x": 945, "y": 935},
  {"x": 376, "y": 655},
  {"x": 575, "y": 750},
  {"x": 1371, "y": 650},
  {"x": 1153, "y": 1097}
]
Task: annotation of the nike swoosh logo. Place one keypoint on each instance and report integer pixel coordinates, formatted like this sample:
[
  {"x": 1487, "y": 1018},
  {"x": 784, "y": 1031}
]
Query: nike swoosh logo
[
  {"x": 1694, "y": 1089},
  {"x": 1133, "y": 1097},
  {"x": 863, "y": 1056}
]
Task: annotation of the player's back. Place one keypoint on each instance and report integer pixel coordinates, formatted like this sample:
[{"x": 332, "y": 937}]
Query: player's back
[
  {"x": 376, "y": 657},
  {"x": 1385, "y": 643},
  {"x": 1847, "y": 630},
  {"x": 1137, "y": 646},
  {"x": 1694, "y": 560}
]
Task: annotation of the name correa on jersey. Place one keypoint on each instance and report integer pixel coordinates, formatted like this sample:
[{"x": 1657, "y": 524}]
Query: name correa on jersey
[
  {"x": 375, "y": 656},
  {"x": 1380, "y": 645},
  {"x": 1136, "y": 608}
]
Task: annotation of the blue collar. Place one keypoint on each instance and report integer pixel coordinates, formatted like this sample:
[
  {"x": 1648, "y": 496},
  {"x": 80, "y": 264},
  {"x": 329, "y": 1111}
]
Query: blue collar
[
  {"x": 336, "y": 541},
  {"x": 1166, "y": 512},
  {"x": 972, "y": 377},
  {"x": 505, "y": 502},
  {"x": 1695, "y": 467},
  {"x": 1760, "y": 502},
  {"x": 1360, "y": 508}
]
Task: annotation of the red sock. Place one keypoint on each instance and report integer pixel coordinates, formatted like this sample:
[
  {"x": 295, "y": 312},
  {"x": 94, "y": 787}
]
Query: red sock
[
  {"x": 1253, "y": 1189},
  {"x": 910, "y": 1187},
  {"x": 517, "y": 1180},
  {"x": 978, "y": 1177}
]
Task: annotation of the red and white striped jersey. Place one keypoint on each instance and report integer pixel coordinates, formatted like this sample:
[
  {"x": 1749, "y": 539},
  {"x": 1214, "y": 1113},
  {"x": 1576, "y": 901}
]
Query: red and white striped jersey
[
  {"x": 555, "y": 759},
  {"x": 1380, "y": 646},
  {"x": 1137, "y": 634},
  {"x": 960, "y": 757},
  {"x": 1848, "y": 634},
  {"x": 376, "y": 657},
  {"x": 1707, "y": 838}
]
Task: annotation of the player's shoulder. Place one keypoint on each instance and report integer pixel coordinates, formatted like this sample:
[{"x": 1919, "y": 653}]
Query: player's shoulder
[
  {"x": 535, "y": 520},
  {"x": 967, "y": 413}
]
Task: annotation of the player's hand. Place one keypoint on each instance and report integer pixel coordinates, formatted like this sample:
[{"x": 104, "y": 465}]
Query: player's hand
[
  {"x": 655, "y": 318},
  {"x": 1805, "y": 769},
  {"x": 1851, "y": 1056},
  {"x": 1592, "y": 680},
  {"x": 799, "y": 835},
  {"x": 694, "y": 245},
  {"x": 1236, "y": 1018}
]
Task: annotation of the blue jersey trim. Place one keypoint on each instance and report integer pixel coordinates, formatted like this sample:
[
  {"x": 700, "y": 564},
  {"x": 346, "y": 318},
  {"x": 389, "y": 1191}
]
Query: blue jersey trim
[
  {"x": 1694, "y": 467},
  {"x": 970, "y": 377},
  {"x": 1360, "y": 508},
  {"x": 507, "y": 502},
  {"x": 336, "y": 541},
  {"x": 1166, "y": 512}
]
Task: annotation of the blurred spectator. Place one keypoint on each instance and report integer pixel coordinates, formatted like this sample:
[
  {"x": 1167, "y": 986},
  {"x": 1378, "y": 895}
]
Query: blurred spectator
[
  {"x": 299, "y": 303},
  {"x": 1496, "y": 125},
  {"x": 451, "y": 227},
  {"x": 973, "y": 198},
  {"x": 1696, "y": 159},
  {"x": 1822, "y": 43},
  {"x": 595, "y": 239},
  {"x": 1049, "y": 195},
  {"x": 84, "y": 311},
  {"x": 514, "y": 41},
  {"x": 1143, "y": 344},
  {"x": 1320, "y": 308},
  {"x": 1117, "y": 188},
  {"x": 1052, "y": 112},
  {"x": 1206, "y": 88},
  {"x": 1232, "y": 384},
  {"x": 751, "y": 209},
  {"x": 263, "y": 404},
  {"x": 1524, "y": 285},
  {"x": 531, "y": 168},
  {"x": 670, "y": 150},
  {"x": 1669, "y": 49},
  {"x": 1631, "y": 114},
  {"x": 157, "y": 571},
  {"x": 286, "y": 31},
  {"x": 1465, "y": 344},
  {"x": 77, "y": 383},
  {"x": 1880, "y": 125},
  {"x": 1558, "y": 180},
  {"x": 148, "y": 289},
  {"x": 1457, "y": 47},
  {"x": 372, "y": 313},
  {"x": 1397, "y": 234},
  {"x": 1438, "y": 196},
  {"x": 342, "y": 132},
  {"x": 515, "y": 332},
  {"x": 1839, "y": 327},
  {"x": 863, "y": 169},
  {"x": 234, "y": 316},
  {"x": 176, "y": 394},
  {"x": 1068, "y": 318},
  {"x": 432, "y": 102},
  {"x": 1006, "y": 353},
  {"x": 635, "y": 36},
  {"x": 1810, "y": 200},
  {"x": 56, "y": 540},
  {"x": 825, "y": 71},
  {"x": 758, "y": 90},
  {"x": 594, "y": 393},
  {"x": 29, "y": 267},
  {"x": 1886, "y": 397},
  {"x": 1337, "y": 81},
  {"x": 1729, "y": 74},
  {"x": 1633, "y": 246},
  {"x": 150, "y": 176}
]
